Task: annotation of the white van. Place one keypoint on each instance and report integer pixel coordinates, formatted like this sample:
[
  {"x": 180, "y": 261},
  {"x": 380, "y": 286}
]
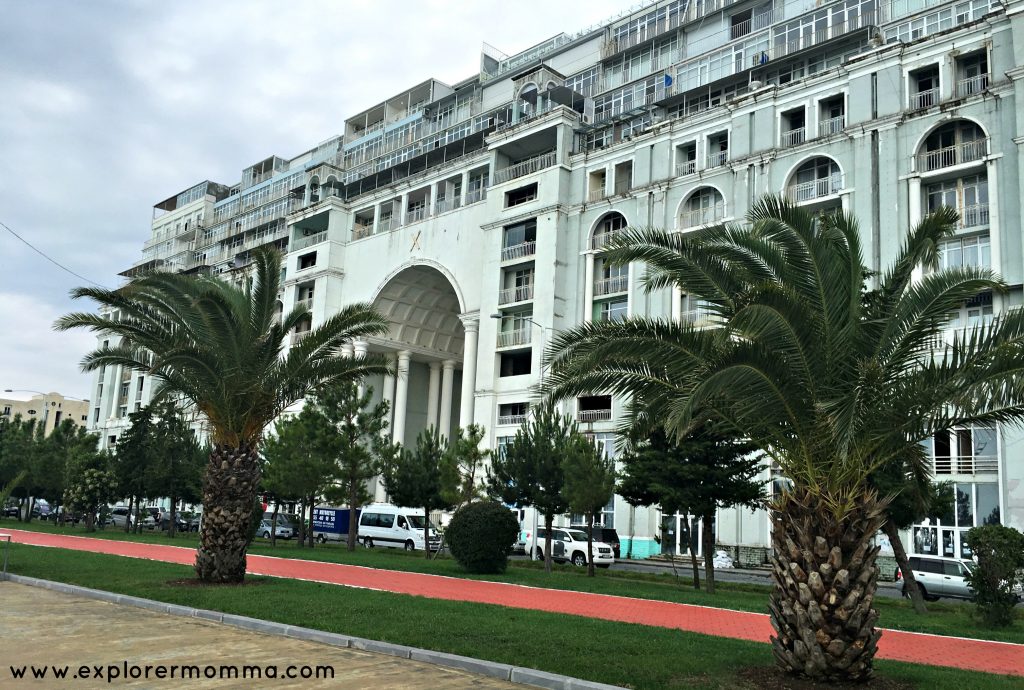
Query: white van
[{"x": 382, "y": 524}]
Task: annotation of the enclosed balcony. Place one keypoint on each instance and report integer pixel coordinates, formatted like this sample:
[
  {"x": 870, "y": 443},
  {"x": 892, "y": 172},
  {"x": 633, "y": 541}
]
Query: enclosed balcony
[
  {"x": 954, "y": 143},
  {"x": 514, "y": 338},
  {"x": 526, "y": 167},
  {"x": 611, "y": 285},
  {"x": 519, "y": 293},
  {"x": 816, "y": 179},
  {"x": 608, "y": 228},
  {"x": 705, "y": 206}
]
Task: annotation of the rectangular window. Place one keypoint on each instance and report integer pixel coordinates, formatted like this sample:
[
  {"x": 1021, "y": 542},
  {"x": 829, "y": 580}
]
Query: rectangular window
[
  {"x": 521, "y": 195},
  {"x": 615, "y": 310},
  {"x": 96, "y": 416},
  {"x": 515, "y": 363},
  {"x": 307, "y": 260},
  {"x": 520, "y": 233}
]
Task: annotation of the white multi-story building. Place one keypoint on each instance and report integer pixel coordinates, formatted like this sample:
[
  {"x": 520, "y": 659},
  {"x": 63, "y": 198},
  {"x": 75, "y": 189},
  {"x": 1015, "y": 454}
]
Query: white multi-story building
[{"x": 470, "y": 214}]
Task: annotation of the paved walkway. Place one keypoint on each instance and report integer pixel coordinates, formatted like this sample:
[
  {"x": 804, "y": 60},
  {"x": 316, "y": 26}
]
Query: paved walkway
[
  {"x": 934, "y": 650},
  {"x": 51, "y": 629}
]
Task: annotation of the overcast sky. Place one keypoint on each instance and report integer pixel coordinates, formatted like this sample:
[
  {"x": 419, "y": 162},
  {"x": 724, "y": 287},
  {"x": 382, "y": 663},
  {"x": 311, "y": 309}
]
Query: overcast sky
[{"x": 109, "y": 107}]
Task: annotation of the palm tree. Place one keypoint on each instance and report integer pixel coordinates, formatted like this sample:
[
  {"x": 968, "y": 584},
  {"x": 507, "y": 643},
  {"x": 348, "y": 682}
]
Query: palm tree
[
  {"x": 830, "y": 381},
  {"x": 220, "y": 347}
]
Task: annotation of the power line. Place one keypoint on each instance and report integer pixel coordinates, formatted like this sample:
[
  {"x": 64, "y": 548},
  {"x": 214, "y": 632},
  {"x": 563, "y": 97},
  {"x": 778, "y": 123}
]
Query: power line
[{"x": 52, "y": 261}]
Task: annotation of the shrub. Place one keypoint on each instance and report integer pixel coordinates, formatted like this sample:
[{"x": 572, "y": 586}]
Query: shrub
[
  {"x": 481, "y": 536},
  {"x": 1000, "y": 554}
]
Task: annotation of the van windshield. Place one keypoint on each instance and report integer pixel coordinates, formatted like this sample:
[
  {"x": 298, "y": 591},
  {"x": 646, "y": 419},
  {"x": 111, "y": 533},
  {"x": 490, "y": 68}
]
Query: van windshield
[{"x": 417, "y": 522}]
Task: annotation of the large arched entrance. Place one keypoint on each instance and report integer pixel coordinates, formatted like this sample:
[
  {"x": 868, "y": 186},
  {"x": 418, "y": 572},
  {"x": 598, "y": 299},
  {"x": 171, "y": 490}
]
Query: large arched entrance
[{"x": 427, "y": 344}]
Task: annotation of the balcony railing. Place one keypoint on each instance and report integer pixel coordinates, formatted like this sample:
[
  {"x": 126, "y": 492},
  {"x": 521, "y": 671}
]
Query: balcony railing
[
  {"x": 686, "y": 168},
  {"x": 299, "y": 336},
  {"x": 808, "y": 40},
  {"x": 526, "y": 167},
  {"x": 303, "y": 242},
  {"x": 416, "y": 215},
  {"x": 306, "y": 303},
  {"x": 361, "y": 231},
  {"x": 519, "y": 251},
  {"x": 718, "y": 158},
  {"x": 445, "y": 205},
  {"x": 964, "y": 152},
  {"x": 701, "y": 316},
  {"x": 600, "y": 239},
  {"x": 982, "y": 464},
  {"x": 514, "y": 338},
  {"x": 511, "y": 419},
  {"x": 610, "y": 286},
  {"x": 971, "y": 85},
  {"x": 924, "y": 99},
  {"x": 815, "y": 189},
  {"x": 388, "y": 224},
  {"x": 596, "y": 194},
  {"x": 794, "y": 137},
  {"x": 707, "y": 215},
  {"x": 475, "y": 195},
  {"x": 512, "y": 295},
  {"x": 971, "y": 216},
  {"x": 833, "y": 125},
  {"x": 617, "y": 45},
  {"x": 587, "y": 416}
]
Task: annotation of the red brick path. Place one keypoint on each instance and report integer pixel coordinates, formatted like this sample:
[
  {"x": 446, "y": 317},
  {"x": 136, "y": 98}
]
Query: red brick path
[{"x": 920, "y": 648}]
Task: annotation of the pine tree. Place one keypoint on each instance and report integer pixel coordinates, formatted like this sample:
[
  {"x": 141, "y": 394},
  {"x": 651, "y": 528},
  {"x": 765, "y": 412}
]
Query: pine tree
[{"x": 589, "y": 485}]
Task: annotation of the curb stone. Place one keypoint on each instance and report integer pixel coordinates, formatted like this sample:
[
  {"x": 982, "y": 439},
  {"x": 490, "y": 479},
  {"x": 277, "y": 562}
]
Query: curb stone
[{"x": 514, "y": 674}]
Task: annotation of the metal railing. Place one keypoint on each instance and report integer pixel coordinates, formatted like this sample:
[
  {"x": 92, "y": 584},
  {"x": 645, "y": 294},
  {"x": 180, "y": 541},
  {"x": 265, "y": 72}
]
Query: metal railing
[
  {"x": 701, "y": 316},
  {"x": 833, "y": 125},
  {"x": 610, "y": 286},
  {"x": 964, "y": 152},
  {"x": 511, "y": 295},
  {"x": 303, "y": 242},
  {"x": 475, "y": 195},
  {"x": 526, "y": 167},
  {"x": 974, "y": 215},
  {"x": 814, "y": 38},
  {"x": 600, "y": 239},
  {"x": 587, "y": 416},
  {"x": 416, "y": 214},
  {"x": 596, "y": 194},
  {"x": 815, "y": 189},
  {"x": 924, "y": 99},
  {"x": 702, "y": 216},
  {"x": 718, "y": 158},
  {"x": 686, "y": 168},
  {"x": 982, "y": 464},
  {"x": 514, "y": 338},
  {"x": 971, "y": 85},
  {"x": 445, "y": 205},
  {"x": 511, "y": 419},
  {"x": 794, "y": 137},
  {"x": 518, "y": 251}
]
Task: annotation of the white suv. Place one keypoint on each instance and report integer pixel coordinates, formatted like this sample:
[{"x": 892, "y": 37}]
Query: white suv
[{"x": 569, "y": 545}]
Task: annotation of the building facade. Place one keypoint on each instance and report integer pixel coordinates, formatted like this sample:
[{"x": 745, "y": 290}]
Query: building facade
[
  {"x": 48, "y": 409},
  {"x": 470, "y": 214}
]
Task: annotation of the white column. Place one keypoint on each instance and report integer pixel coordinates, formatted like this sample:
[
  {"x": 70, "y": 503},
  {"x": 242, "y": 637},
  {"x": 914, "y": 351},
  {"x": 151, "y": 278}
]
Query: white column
[
  {"x": 630, "y": 291},
  {"x": 444, "y": 424},
  {"x": 914, "y": 207},
  {"x": 844, "y": 199},
  {"x": 472, "y": 325},
  {"x": 588, "y": 287},
  {"x": 359, "y": 352},
  {"x": 433, "y": 390},
  {"x": 401, "y": 396},
  {"x": 995, "y": 232},
  {"x": 677, "y": 304},
  {"x": 388, "y": 394}
]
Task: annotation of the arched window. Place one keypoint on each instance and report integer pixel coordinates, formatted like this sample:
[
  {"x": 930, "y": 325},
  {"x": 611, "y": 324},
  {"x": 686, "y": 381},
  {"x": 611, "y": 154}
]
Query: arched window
[
  {"x": 703, "y": 207},
  {"x": 609, "y": 225},
  {"x": 960, "y": 141},
  {"x": 815, "y": 178}
]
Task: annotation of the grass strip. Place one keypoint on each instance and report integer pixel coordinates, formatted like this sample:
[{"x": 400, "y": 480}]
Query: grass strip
[
  {"x": 954, "y": 619},
  {"x": 624, "y": 654}
]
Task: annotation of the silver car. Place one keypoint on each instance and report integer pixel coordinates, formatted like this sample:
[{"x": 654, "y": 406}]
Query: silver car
[
  {"x": 282, "y": 531},
  {"x": 941, "y": 577}
]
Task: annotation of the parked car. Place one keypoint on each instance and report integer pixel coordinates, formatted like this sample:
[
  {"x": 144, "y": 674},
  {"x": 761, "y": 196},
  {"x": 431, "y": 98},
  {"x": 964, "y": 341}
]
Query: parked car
[
  {"x": 569, "y": 544},
  {"x": 12, "y": 510},
  {"x": 195, "y": 523},
  {"x": 382, "y": 524},
  {"x": 180, "y": 523},
  {"x": 283, "y": 530},
  {"x": 119, "y": 517},
  {"x": 608, "y": 535},
  {"x": 943, "y": 577}
]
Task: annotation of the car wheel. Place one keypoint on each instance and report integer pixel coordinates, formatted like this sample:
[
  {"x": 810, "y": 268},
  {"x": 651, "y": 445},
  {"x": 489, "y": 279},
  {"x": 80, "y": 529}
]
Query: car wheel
[
  {"x": 266, "y": 535},
  {"x": 925, "y": 595},
  {"x": 320, "y": 538},
  {"x": 579, "y": 559},
  {"x": 368, "y": 543},
  {"x": 538, "y": 554},
  {"x": 604, "y": 565},
  {"x": 409, "y": 546}
]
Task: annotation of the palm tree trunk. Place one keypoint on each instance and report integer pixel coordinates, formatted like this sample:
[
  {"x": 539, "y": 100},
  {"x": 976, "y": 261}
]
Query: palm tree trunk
[
  {"x": 909, "y": 581},
  {"x": 825, "y": 578},
  {"x": 708, "y": 539},
  {"x": 229, "y": 491}
]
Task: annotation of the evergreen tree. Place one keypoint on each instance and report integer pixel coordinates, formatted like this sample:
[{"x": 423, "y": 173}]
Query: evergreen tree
[
  {"x": 589, "y": 485},
  {"x": 705, "y": 470},
  {"x": 177, "y": 468},
  {"x": 463, "y": 466},
  {"x": 136, "y": 454},
  {"x": 530, "y": 470},
  {"x": 414, "y": 479}
]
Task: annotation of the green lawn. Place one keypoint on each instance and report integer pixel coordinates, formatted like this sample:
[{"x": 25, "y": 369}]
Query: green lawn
[
  {"x": 622, "y": 654},
  {"x": 942, "y": 618}
]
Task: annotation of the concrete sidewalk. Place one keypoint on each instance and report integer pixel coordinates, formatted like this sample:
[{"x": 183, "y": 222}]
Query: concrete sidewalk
[{"x": 48, "y": 628}]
